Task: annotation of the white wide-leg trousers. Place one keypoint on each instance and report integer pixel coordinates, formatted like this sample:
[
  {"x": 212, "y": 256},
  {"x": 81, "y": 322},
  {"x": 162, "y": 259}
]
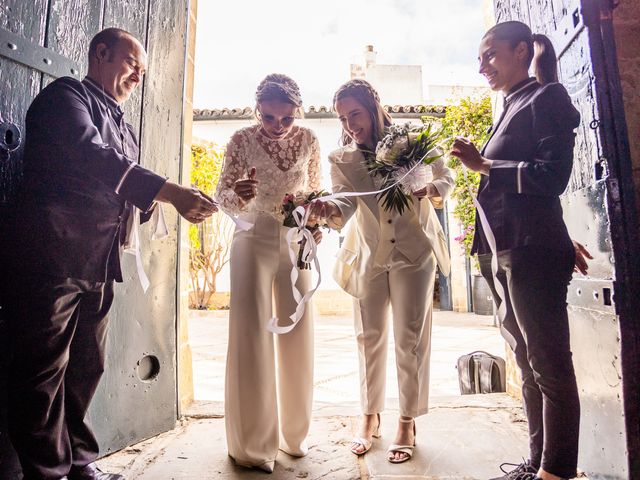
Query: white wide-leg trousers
[
  {"x": 406, "y": 289},
  {"x": 269, "y": 378}
]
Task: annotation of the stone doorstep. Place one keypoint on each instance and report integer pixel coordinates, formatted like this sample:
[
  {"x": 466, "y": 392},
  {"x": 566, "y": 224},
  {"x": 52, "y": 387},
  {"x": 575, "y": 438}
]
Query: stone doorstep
[{"x": 463, "y": 437}]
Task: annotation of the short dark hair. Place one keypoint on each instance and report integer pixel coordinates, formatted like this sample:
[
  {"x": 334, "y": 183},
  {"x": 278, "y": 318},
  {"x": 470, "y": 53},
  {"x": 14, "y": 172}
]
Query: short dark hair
[{"x": 109, "y": 36}]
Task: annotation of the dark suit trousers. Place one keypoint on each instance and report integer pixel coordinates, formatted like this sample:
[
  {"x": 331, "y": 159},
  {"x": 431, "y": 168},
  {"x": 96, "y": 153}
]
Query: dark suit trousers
[
  {"x": 536, "y": 326},
  {"x": 58, "y": 329}
]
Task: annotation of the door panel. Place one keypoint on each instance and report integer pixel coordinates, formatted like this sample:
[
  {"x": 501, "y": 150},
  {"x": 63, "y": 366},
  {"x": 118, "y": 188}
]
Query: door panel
[
  {"x": 131, "y": 16},
  {"x": 137, "y": 396}
]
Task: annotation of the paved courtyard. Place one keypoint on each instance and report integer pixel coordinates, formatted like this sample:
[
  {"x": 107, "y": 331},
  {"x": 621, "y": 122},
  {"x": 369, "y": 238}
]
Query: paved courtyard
[{"x": 462, "y": 437}]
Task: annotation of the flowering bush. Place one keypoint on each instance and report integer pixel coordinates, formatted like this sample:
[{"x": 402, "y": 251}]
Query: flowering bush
[
  {"x": 471, "y": 118},
  {"x": 210, "y": 240}
]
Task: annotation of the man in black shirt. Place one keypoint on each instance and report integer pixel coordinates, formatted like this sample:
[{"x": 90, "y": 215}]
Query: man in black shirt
[{"x": 62, "y": 254}]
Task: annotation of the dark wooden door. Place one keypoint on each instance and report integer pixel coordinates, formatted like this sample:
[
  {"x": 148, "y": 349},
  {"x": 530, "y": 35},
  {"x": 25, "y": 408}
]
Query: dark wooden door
[
  {"x": 600, "y": 212},
  {"x": 45, "y": 39}
]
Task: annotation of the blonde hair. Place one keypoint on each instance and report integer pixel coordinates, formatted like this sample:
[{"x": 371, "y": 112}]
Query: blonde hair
[
  {"x": 282, "y": 88},
  {"x": 364, "y": 93}
]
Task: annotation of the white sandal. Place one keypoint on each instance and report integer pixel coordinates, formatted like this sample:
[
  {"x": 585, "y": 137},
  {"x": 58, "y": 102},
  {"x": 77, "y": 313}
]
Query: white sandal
[
  {"x": 363, "y": 442},
  {"x": 406, "y": 449}
]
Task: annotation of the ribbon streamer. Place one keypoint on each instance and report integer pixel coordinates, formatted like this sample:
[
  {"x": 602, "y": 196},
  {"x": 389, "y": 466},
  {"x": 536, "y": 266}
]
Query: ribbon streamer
[
  {"x": 491, "y": 240},
  {"x": 132, "y": 239},
  {"x": 300, "y": 215}
]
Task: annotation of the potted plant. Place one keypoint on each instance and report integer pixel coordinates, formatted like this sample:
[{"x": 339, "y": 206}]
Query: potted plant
[{"x": 470, "y": 118}]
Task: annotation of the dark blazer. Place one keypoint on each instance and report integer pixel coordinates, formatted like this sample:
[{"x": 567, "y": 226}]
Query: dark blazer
[
  {"x": 81, "y": 175},
  {"x": 532, "y": 151}
]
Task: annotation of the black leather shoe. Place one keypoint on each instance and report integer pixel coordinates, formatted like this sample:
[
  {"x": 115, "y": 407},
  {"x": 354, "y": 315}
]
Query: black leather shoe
[
  {"x": 523, "y": 471},
  {"x": 92, "y": 472}
]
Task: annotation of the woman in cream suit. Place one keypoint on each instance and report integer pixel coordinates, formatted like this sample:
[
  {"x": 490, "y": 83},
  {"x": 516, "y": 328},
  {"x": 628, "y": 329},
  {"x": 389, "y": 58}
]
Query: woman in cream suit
[
  {"x": 269, "y": 381},
  {"x": 387, "y": 261}
]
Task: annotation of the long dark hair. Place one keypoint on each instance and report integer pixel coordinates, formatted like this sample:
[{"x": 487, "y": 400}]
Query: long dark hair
[
  {"x": 365, "y": 94},
  {"x": 540, "y": 49}
]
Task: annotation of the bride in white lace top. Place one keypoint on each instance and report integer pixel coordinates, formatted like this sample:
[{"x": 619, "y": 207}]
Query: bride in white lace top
[
  {"x": 283, "y": 165},
  {"x": 269, "y": 381}
]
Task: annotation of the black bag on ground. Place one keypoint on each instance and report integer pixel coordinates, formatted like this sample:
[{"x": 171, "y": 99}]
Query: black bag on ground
[{"x": 481, "y": 372}]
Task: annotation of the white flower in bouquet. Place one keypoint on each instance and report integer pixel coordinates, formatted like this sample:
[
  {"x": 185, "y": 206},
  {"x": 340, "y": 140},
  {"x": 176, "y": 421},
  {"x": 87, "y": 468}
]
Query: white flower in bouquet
[{"x": 402, "y": 161}]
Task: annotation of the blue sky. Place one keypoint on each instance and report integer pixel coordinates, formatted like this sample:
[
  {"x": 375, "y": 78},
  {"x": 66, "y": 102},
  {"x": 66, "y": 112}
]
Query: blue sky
[{"x": 238, "y": 42}]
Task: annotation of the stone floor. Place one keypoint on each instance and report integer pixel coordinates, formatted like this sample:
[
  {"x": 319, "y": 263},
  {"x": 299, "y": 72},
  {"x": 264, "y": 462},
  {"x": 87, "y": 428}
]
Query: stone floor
[{"x": 462, "y": 437}]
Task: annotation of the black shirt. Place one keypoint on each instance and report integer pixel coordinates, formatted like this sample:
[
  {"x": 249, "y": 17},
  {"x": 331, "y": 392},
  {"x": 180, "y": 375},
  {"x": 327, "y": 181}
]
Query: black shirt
[
  {"x": 532, "y": 151},
  {"x": 81, "y": 174}
]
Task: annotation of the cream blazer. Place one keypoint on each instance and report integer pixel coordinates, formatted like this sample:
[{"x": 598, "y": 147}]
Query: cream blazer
[{"x": 355, "y": 259}]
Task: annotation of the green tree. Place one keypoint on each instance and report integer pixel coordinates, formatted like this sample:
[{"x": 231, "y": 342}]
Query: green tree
[
  {"x": 471, "y": 118},
  {"x": 210, "y": 241}
]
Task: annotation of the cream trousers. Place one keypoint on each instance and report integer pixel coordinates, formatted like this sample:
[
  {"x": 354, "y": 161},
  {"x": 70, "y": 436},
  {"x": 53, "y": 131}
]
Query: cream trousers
[
  {"x": 269, "y": 378},
  {"x": 406, "y": 289}
]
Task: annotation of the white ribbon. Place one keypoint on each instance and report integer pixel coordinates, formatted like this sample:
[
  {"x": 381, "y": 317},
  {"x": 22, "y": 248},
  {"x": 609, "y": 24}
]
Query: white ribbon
[
  {"x": 241, "y": 224},
  {"x": 491, "y": 240},
  {"x": 309, "y": 253},
  {"x": 132, "y": 239}
]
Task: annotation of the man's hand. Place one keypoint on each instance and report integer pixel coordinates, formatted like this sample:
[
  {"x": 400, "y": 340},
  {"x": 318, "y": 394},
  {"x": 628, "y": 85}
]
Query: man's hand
[
  {"x": 193, "y": 204},
  {"x": 580, "y": 262},
  {"x": 247, "y": 189},
  {"x": 469, "y": 155}
]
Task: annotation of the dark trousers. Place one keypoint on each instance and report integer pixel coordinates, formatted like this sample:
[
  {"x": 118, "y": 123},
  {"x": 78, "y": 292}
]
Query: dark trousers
[
  {"x": 58, "y": 329},
  {"x": 536, "y": 326}
]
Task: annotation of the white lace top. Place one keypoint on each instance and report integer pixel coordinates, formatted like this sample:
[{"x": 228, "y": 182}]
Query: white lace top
[{"x": 288, "y": 165}]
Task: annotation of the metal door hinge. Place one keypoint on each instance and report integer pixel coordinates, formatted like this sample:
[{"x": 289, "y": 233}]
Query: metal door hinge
[{"x": 32, "y": 55}]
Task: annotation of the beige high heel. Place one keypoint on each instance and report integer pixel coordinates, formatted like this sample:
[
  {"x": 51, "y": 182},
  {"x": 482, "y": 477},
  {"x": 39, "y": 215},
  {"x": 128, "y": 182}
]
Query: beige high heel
[
  {"x": 363, "y": 442},
  {"x": 406, "y": 449}
]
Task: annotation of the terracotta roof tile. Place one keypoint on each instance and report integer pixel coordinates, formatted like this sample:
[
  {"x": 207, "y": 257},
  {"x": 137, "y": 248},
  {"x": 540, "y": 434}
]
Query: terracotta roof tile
[{"x": 317, "y": 111}]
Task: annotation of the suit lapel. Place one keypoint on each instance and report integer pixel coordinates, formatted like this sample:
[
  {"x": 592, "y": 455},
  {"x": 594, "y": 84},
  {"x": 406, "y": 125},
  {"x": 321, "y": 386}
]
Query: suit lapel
[{"x": 354, "y": 169}]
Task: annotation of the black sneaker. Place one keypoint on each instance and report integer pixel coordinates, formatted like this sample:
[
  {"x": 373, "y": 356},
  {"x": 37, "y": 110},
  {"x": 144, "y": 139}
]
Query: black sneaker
[{"x": 523, "y": 471}]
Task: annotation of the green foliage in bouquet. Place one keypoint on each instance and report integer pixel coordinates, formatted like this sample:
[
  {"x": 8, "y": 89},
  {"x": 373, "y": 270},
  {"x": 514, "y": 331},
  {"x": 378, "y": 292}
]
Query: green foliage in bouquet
[
  {"x": 290, "y": 202},
  {"x": 471, "y": 118},
  {"x": 402, "y": 147}
]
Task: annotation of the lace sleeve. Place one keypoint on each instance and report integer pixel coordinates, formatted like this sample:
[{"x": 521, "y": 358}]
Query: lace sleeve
[
  {"x": 234, "y": 168},
  {"x": 314, "y": 173}
]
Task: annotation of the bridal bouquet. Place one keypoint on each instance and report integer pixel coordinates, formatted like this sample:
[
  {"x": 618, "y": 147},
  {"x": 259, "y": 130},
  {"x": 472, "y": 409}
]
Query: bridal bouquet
[
  {"x": 401, "y": 161},
  {"x": 289, "y": 203}
]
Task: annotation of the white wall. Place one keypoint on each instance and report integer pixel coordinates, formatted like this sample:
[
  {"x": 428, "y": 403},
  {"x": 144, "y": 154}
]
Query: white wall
[{"x": 397, "y": 84}]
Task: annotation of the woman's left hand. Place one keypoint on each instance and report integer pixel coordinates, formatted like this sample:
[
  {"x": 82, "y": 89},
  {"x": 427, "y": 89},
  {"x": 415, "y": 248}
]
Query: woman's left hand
[
  {"x": 469, "y": 155},
  {"x": 317, "y": 235}
]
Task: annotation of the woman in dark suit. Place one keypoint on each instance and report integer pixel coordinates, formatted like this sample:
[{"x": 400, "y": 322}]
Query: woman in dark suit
[{"x": 525, "y": 166}]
